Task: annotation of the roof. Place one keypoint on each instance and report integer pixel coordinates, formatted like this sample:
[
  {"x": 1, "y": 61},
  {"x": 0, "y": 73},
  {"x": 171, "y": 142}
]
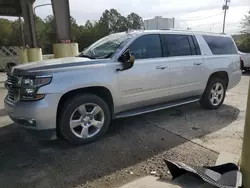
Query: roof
[
  {"x": 10, "y": 8},
  {"x": 174, "y": 31}
]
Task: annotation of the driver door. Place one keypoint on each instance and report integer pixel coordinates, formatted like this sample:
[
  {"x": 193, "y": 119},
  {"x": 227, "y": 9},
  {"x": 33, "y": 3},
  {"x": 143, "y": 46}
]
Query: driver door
[{"x": 142, "y": 84}]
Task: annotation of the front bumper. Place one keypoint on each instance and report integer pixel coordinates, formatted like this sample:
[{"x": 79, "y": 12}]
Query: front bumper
[{"x": 37, "y": 116}]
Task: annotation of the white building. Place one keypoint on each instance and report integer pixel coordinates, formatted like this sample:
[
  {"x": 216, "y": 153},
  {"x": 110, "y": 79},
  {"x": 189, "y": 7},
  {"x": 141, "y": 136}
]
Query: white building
[{"x": 159, "y": 23}]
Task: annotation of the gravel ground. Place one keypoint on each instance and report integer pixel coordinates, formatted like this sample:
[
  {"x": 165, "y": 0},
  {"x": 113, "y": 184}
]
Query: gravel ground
[{"x": 132, "y": 148}]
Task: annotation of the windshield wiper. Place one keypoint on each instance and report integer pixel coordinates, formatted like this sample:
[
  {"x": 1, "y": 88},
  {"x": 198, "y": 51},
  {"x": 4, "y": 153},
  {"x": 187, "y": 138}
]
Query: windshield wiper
[{"x": 84, "y": 55}]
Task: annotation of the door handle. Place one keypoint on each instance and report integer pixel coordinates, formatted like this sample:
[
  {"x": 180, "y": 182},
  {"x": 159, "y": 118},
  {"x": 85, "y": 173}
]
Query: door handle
[
  {"x": 161, "y": 67},
  {"x": 197, "y": 63}
]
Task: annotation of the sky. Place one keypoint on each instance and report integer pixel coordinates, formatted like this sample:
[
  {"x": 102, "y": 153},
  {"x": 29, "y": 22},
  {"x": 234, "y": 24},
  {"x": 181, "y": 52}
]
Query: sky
[{"x": 199, "y": 15}]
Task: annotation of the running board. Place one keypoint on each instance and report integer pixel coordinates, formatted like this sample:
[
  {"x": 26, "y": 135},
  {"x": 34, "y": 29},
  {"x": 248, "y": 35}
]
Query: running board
[{"x": 153, "y": 108}]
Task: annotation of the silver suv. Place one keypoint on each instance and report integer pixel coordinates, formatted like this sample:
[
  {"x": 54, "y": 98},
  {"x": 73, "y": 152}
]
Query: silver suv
[{"x": 121, "y": 75}]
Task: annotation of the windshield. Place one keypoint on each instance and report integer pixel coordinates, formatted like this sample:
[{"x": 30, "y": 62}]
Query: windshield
[{"x": 107, "y": 46}]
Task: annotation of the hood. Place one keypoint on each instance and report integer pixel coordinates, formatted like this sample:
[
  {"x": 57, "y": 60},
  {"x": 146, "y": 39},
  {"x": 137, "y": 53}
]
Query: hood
[{"x": 53, "y": 65}]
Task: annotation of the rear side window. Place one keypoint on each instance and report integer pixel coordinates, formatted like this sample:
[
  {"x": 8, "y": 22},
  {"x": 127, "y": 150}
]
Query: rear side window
[
  {"x": 146, "y": 46},
  {"x": 220, "y": 45},
  {"x": 176, "y": 45}
]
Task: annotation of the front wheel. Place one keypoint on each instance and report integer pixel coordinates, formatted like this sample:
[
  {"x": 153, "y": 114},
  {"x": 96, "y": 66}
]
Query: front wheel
[
  {"x": 85, "y": 118},
  {"x": 214, "y": 94}
]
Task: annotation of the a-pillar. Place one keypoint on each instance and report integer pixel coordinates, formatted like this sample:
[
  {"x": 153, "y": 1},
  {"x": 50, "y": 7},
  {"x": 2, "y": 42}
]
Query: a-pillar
[
  {"x": 33, "y": 52},
  {"x": 63, "y": 47}
]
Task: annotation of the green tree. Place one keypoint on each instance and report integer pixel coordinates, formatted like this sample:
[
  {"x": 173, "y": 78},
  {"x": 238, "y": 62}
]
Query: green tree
[
  {"x": 15, "y": 38},
  {"x": 104, "y": 23},
  {"x": 114, "y": 20},
  {"x": 111, "y": 21},
  {"x": 244, "y": 41},
  {"x": 5, "y": 32},
  {"x": 245, "y": 24},
  {"x": 134, "y": 21}
]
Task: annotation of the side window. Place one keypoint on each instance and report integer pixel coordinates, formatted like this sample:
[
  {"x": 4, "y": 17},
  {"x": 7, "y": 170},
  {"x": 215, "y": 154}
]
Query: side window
[
  {"x": 220, "y": 45},
  {"x": 147, "y": 46},
  {"x": 176, "y": 45}
]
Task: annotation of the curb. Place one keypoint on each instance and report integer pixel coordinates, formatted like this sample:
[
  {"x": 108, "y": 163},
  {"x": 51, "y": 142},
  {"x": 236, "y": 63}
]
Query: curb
[
  {"x": 225, "y": 157},
  {"x": 183, "y": 181}
]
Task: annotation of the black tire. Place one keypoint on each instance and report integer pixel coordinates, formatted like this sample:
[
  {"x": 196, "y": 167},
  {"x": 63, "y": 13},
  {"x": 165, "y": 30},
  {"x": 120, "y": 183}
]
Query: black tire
[
  {"x": 205, "y": 101},
  {"x": 242, "y": 66},
  {"x": 68, "y": 109}
]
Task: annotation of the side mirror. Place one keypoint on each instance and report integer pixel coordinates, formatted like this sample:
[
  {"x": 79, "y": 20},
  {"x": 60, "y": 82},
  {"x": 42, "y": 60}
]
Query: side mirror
[{"x": 127, "y": 59}]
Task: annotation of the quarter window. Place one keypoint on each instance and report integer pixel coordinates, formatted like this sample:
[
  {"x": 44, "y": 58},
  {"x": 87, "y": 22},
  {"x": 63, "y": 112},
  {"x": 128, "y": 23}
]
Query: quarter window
[
  {"x": 147, "y": 46},
  {"x": 220, "y": 45}
]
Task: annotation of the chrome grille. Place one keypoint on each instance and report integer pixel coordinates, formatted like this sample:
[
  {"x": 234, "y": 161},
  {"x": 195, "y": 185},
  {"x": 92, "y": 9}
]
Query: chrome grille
[
  {"x": 11, "y": 96},
  {"x": 12, "y": 80},
  {"x": 12, "y": 84}
]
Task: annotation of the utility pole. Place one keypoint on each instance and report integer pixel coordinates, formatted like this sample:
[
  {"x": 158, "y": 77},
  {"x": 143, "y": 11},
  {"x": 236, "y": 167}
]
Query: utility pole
[
  {"x": 245, "y": 155},
  {"x": 225, "y": 8}
]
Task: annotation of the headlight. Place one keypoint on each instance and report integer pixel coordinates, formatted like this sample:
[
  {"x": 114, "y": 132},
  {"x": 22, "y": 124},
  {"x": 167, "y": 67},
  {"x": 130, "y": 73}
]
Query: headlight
[
  {"x": 30, "y": 85},
  {"x": 35, "y": 82}
]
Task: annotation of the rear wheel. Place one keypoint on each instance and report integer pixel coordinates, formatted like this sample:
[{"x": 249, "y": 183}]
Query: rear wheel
[
  {"x": 85, "y": 118},
  {"x": 214, "y": 94}
]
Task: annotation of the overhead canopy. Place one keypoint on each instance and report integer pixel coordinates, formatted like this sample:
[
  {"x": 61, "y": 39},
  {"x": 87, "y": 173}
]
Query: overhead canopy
[
  {"x": 11, "y": 7},
  {"x": 25, "y": 9}
]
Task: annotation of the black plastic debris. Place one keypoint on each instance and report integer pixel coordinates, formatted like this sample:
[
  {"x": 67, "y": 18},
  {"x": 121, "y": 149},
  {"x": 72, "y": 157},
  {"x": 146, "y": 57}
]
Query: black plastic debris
[{"x": 222, "y": 176}]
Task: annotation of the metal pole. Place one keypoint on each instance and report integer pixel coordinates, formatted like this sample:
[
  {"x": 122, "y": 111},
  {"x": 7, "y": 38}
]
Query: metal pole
[
  {"x": 225, "y": 8},
  {"x": 29, "y": 22},
  {"x": 22, "y": 33},
  {"x": 42, "y": 5},
  {"x": 245, "y": 155},
  {"x": 62, "y": 18}
]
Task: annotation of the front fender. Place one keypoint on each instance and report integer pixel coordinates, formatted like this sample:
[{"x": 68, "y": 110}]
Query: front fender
[{"x": 72, "y": 80}]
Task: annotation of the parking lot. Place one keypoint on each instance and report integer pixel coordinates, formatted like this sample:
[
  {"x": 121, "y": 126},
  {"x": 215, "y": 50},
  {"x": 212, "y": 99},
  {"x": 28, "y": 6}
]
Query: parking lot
[{"x": 133, "y": 147}]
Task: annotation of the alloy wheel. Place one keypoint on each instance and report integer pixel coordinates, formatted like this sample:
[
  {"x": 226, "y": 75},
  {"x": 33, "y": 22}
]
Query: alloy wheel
[
  {"x": 87, "y": 120},
  {"x": 217, "y": 94}
]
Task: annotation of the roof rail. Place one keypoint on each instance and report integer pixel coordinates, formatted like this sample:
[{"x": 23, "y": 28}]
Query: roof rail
[{"x": 197, "y": 31}]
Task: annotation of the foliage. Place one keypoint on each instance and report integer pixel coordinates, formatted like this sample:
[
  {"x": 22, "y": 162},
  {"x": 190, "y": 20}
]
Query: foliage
[
  {"x": 111, "y": 21},
  {"x": 243, "y": 40},
  {"x": 5, "y": 31},
  {"x": 246, "y": 24}
]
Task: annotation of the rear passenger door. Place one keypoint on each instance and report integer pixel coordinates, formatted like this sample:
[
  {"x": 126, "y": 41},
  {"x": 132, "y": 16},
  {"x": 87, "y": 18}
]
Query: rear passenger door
[{"x": 185, "y": 62}]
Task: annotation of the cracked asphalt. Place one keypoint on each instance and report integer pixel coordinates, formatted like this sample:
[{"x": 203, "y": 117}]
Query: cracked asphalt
[{"x": 133, "y": 147}]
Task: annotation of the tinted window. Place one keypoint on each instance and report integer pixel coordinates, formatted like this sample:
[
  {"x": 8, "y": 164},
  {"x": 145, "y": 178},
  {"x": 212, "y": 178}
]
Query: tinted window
[
  {"x": 220, "y": 45},
  {"x": 147, "y": 46},
  {"x": 176, "y": 45}
]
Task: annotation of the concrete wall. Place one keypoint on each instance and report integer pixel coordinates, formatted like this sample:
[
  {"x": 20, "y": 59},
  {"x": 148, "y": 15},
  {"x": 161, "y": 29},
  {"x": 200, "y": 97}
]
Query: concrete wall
[
  {"x": 159, "y": 23},
  {"x": 16, "y": 60}
]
